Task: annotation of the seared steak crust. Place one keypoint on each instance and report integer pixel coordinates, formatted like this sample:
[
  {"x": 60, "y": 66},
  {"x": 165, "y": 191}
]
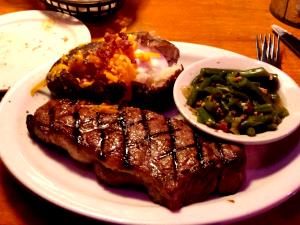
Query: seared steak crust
[{"x": 176, "y": 164}]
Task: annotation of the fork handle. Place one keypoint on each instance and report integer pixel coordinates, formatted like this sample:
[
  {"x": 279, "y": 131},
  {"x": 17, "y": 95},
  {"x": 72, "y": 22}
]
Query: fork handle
[{"x": 292, "y": 42}]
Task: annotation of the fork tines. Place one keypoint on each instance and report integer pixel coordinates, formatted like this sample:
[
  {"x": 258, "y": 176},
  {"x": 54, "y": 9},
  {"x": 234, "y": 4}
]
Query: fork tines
[{"x": 268, "y": 49}]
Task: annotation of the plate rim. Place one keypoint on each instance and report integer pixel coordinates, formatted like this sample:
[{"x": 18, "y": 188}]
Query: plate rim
[{"x": 107, "y": 218}]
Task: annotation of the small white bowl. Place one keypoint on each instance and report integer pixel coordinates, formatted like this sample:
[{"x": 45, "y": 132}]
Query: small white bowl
[{"x": 289, "y": 93}]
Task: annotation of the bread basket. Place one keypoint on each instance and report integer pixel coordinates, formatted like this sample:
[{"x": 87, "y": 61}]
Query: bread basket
[{"x": 84, "y": 8}]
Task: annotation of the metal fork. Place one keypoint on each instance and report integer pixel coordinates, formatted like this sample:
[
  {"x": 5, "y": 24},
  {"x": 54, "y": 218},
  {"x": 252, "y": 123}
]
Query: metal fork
[{"x": 268, "y": 49}]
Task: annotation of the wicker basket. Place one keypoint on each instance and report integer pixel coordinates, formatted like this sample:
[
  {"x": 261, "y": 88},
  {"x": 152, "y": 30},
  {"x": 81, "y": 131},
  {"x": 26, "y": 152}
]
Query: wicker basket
[{"x": 84, "y": 8}]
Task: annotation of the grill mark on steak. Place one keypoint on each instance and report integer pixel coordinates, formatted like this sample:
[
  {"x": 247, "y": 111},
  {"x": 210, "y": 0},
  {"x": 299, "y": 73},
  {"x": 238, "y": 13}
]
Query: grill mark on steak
[
  {"x": 173, "y": 147},
  {"x": 220, "y": 152},
  {"x": 198, "y": 145},
  {"x": 123, "y": 125},
  {"x": 177, "y": 164},
  {"x": 100, "y": 153},
  {"x": 170, "y": 129},
  {"x": 51, "y": 113},
  {"x": 169, "y": 153},
  {"x": 145, "y": 125},
  {"x": 77, "y": 131}
]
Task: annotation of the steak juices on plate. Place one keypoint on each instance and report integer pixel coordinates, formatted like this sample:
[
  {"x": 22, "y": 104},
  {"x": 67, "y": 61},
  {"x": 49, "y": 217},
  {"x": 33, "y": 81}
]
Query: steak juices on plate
[{"x": 128, "y": 145}]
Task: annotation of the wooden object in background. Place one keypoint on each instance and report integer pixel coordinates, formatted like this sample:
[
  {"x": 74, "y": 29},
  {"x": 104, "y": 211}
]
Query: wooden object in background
[{"x": 287, "y": 11}]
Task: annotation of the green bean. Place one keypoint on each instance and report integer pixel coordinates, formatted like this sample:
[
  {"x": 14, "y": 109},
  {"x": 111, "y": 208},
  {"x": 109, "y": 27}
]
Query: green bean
[
  {"x": 266, "y": 79},
  {"x": 272, "y": 126},
  {"x": 205, "y": 82},
  {"x": 223, "y": 88},
  {"x": 235, "y": 103},
  {"x": 264, "y": 108},
  {"x": 208, "y": 72},
  {"x": 204, "y": 117},
  {"x": 282, "y": 111},
  {"x": 213, "y": 77},
  {"x": 210, "y": 106},
  {"x": 243, "y": 83},
  {"x": 196, "y": 80},
  {"x": 218, "y": 79},
  {"x": 235, "y": 125},
  {"x": 235, "y": 80},
  {"x": 276, "y": 118},
  {"x": 257, "y": 92},
  {"x": 239, "y": 94},
  {"x": 192, "y": 98},
  {"x": 255, "y": 73},
  {"x": 251, "y": 132},
  {"x": 198, "y": 88},
  {"x": 211, "y": 90},
  {"x": 254, "y": 121}
]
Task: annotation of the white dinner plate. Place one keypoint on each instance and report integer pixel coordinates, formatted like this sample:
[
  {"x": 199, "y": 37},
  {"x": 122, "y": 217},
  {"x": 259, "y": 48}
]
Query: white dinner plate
[
  {"x": 288, "y": 91},
  {"x": 272, "y": 170},
  {"x": 29, "y": 39}
]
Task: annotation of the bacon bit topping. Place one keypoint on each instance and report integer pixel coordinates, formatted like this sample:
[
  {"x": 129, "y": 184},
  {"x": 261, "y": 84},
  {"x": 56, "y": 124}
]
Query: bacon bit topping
[
  {"x": 83, "y": 83},
  {"x": 263, "y": 90},
  {"x": 115, "y": 60},
  {"x": 237, "y": 79}
]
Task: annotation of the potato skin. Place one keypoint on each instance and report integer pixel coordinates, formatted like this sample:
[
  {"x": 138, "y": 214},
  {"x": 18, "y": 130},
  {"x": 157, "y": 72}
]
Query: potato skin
[
  {"x": 166, "y": 48},
  {"x": 157, "y": 99},
  {"x": 62, "y": 83}
]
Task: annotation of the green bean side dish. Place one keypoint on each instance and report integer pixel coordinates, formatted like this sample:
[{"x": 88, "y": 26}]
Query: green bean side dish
[{"x": 236, "y": 101}]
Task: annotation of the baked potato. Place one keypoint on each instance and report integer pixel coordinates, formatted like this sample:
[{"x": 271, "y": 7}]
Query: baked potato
[{"x": 135, "y": 68}]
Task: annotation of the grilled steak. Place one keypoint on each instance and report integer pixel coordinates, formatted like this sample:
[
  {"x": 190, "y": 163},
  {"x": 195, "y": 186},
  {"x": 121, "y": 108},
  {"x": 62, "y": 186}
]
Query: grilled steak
[{"x": 176, "y": 164}]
